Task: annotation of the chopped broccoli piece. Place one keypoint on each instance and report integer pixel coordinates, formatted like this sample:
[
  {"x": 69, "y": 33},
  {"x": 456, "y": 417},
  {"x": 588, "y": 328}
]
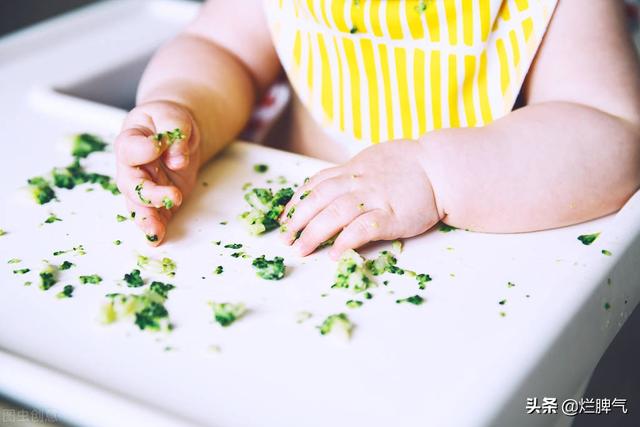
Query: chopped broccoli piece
[
  {"x": 421, "y": 7},
  {"x": 606, "y": 252},
  {"x": 85, "y": 144},
  {"x": 269, "y": 269},
  {"x": 368, "y": 295},
  {"x": 240, "y": 254},
  {"x": 415, "y": 299},
  {"x": 168, "y": 266},
  {"x": 14, "y": 261},
  {"x": 607, "y": 306},
  {"x": 138, "y": 190},
  {"x": 219, "y": 270},
  {"x": 147, "y": 308},
  {"x": 384, "y": 262},
  {"x": 21, "y": 271},
  {"x": 117, "y": 242},
  {"x": 503, "y": 314},
  {"x": 51, "y": 219},
  {"x": 352, "y": 272},
  {"x": 93, "y": 279},
  {"x": 328, "y": 242},
  {"x": 161, "y": 289},
  {"x": 246, "y": 186},
  {"x": 167, "y": 202},
  {"x": 48, "y": 277},
  {"x": 133, "y": 279},
  {"x": 510, "y": 285},
  {"x": 66, "y": 265},
  {"x": 223, "y": 222},
  {"x": 121, "y": 218},
  {"x": 2, "y": 232},
  {"x": 67, "y": 292},
  {"x": 588, "y": 239},
  {"x": 142, "y": 261},
  {"x": 260, "y": 168},
  {"x": 171, "y": 136},
  {"x": 352, "y": 303},
  {"x": 27, "y": 283},
  {"x": 422, "y": 280},
  {"x": 397, "y": 245},
  {"x": 152, "y": 237},
  {"x": 41, "y": 190},
  {"x": 266, "y": 209},
  {"x": 78, "y": 250},
  {"x": 305, "y": 194},
  {"x": 446, "y": 228},
  {"x": 502, "y": 302},
  {"x": 291, "y": 212},
  {"x": 226, "y": 313},
  {"x": 334, "y": 321},
  {"x": 353, "y": 30},
  {"x": 233, "y": 245}
]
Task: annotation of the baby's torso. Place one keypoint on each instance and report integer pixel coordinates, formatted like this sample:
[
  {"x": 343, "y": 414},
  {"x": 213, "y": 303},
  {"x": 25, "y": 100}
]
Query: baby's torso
[{"x": 375, "y": 70}]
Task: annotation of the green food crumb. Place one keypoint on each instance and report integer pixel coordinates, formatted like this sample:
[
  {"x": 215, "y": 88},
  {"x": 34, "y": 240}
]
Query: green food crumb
[
  {"x": 606, "y": 252},
  {"x": 138, "y": 190},
  {"x": 396, "y": 246},
  {"x": 335, "y": 322},
  {"x": 219, "y": 270},
  {"x": 291, "y": 212},
  {"x": 167, "y": 202},
  {"x": 607, "y": 306},
  {"x": 75, "y": 174},
  {"x": 78, "y": 250},
  {"x": 27, "y": 283},
  {"x": 351, "y": 272},
  {"x": 171, "y": 136},
  {"x": 223, "y": 222},
  {"x": 422, "y": 280},
  {"x": 67, "y": 292},
  {"x": 352, "y": 303},
  {"x": 152, "y": 237},
  {"x": 21, "y": 271},
  {"x": 246, "y": 186},
  {"x": 368, "y": 295},
  {"x": 51, "y": 219},
  {"x": 48, "y": 277},
  {"x": 41, "y": 190},
  {"x": 117, "y": 242},
  {"x": 14, "y": 261},
  {"x": 353, "y": 30},
  {"x": 133, "y": 279},
  {"x": 588, "y": 239},
  {"x": 269, "y": 269},
  {"x": 233, "y": 245},
  {"x": 421, "y": 7},
  {"x": 120, "y": 218},
  {"x": 266, "y": 208},
  {"x": 147, "y": 308},
  {"x": 168, "y": 266},
  {"x": 226, "y": 313},
  {"x": 503, "y": 314},
  {"x": 240, "y": 254},
  {"x": 66, "y": 265},
  {"x": 85, "y": 143},
  {"x": 2, "y": 232},
  {"x": 510, "y": 284},
  {"x": 92, "y": 279},
  {"x": 446, "y": 228},
  {"x": 502, "y": 302},
  {"x": 415, "y": 299},
  {"x": 260, "y": 168},
  {"x": 303, "y": 316},
  {"x": 305, "y": 194}
]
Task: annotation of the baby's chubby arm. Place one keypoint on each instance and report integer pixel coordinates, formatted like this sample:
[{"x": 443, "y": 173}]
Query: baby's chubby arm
[
  {"x": 572, "y": 154},
  {"x": 204, "y": 82}
]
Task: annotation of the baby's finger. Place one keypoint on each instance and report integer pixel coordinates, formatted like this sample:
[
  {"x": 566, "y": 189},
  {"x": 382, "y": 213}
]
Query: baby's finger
[
  {"x": 147, "y": 193},
  {"x": 314, "y": 200},
  {"x": 368, "y": 227},
  {"x": 136, "y": 146},
  {"x": 151, "y": 221},
  {"x": 175, "y": 132},
  {"x": 329, "y": 221},
  {"x": 309, "y": 183}
]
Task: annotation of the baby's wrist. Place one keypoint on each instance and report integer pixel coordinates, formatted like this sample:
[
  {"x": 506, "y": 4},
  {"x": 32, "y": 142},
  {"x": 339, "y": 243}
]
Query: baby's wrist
[{"x": 432, "y": 161}]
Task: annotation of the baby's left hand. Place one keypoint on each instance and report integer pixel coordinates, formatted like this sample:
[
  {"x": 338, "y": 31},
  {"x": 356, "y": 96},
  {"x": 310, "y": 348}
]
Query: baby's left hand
[{"x": 383, "y": 193}]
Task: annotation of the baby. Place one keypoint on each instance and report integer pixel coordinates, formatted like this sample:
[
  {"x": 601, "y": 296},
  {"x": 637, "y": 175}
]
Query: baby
[{"x": 415, "y": 102}]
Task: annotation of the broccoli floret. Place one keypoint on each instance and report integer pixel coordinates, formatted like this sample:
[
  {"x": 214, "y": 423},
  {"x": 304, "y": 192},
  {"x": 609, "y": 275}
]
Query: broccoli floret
[
  {"x": 93, "y": 279},
  {"x": 63, "y": 178},
  {"x": 269, "y": 269},
  {"x": 415, "y": 299},
  {"x": 67, "y": 292},
  {"x": 168, "y": 266},
  {"x": 226, "y": 313},
  {"x": 352, "y": 303},
  {"x": 422, "y": 280},
  {"x": 41, "y": 190},
  {"x": 384, "y": 262},
  {"x": 85, "y": 144},
  {"x": 170, "y": 136},
  {"x": 21, "y": 271},
  {"x": 219, "y": 270},
  {"x": 133, "y": 279},
  {"x": 352, "y": 272},
  {"x": 51, "y": 219},
  {"x": 266, "y": 209},
  {"x": 334, "y": 321},
  {"x": 48, "y": 277},
  {"x": 161, "y": 289},
  {"x": 66, "y": 265},
  {"x": 588, "y": 239},
  {"x": 260, "y": 168}
]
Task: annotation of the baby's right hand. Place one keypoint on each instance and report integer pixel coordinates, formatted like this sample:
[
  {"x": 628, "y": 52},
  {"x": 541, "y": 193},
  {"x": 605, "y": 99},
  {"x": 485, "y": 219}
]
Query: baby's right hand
[{"x": 156, "y": 173}]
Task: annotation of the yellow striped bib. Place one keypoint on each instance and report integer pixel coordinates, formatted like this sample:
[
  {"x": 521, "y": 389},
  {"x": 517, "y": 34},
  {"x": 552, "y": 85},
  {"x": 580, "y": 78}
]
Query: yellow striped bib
[{"x": 376, "y": 70}]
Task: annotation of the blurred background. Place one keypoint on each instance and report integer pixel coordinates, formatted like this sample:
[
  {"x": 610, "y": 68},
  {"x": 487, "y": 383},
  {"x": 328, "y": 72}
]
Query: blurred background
[{"x": 618, "y": 373}]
